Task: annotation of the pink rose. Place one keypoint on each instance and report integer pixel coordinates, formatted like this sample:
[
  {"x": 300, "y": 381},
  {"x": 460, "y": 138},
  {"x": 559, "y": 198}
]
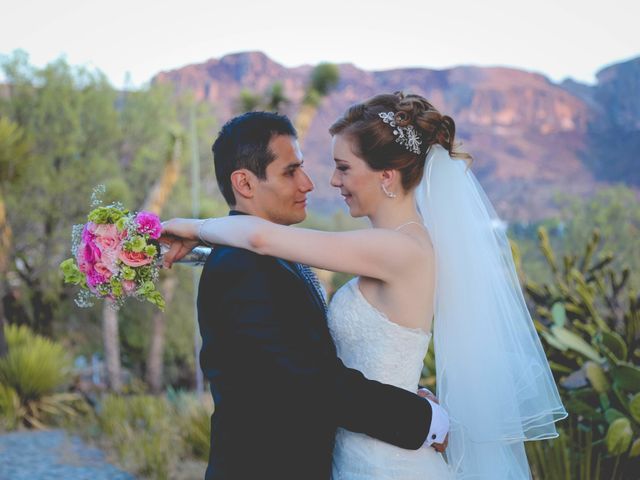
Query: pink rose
[
  {"x": 149, "y": 223},
  {"x": 129, "y": 286},
  {"x": 110, "y": 258},
  {"x": 135, "y": 259},
  {"x": 103, "y": 270},
  {"x": 107, "y": 237},
  {"x": 83, "y": 266}
]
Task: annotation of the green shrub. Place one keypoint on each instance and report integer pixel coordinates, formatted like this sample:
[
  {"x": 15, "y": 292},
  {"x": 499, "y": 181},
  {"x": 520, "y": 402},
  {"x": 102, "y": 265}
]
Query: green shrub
[
  {"x": 144, "y": 432},
  {"x": 36, "y": 370},
  {"x": 34, "y": 366},
  {"x": 9, "y": 408}
]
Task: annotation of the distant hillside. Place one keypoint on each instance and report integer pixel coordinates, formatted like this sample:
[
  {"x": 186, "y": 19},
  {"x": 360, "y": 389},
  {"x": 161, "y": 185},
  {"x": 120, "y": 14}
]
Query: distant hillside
[{"x": 530, "y": 137}]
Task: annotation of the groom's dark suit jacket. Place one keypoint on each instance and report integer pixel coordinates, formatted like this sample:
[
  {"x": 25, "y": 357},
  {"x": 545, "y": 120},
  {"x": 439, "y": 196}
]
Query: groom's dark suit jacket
[{"x": 278, "y": 387}]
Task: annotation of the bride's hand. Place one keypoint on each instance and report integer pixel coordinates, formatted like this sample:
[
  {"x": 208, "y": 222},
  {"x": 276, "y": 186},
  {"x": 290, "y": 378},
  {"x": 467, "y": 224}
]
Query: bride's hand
[
  {"x": 180, "y": 235},
  {"x": 178, "y": 248}
]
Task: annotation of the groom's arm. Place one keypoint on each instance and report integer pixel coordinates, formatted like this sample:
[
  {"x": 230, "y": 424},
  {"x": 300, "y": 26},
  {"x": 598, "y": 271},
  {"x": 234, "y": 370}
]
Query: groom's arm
[
  {"x": 385, "y": 412},
  {"x": 382, "y": 411}
]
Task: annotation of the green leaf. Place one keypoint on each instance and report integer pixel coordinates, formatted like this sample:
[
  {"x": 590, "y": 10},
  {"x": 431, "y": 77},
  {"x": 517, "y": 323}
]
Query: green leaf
[
  {"x": 619, "y": 436},
  {"x": 71, "y": 272},
  {"x": 614, "y": 343},
  {"x": 597, "y": 377},
  {"x": 556, "y": 367},
  {"x": 558, "y": 314},
  {"x": 575, "y": 343},
  {"x": 553, "y": 342},
  {"x": 627, "y": 378},
  {"x": 635, "y": 448},
  {"x": 612, "y": 415},
  {"x": 578, "y": 407},
  {"x": 634, "y": 407}
]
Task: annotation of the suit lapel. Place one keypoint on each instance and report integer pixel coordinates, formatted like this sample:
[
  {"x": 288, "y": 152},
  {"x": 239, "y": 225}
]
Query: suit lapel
[
  {"x": 310, "y": 289},
  {"x": 287, "y": 266}
]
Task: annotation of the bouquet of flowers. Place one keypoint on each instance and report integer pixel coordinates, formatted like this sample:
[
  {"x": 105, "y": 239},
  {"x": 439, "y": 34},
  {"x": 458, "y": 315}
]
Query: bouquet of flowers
[{"x": 115, "y": 255}]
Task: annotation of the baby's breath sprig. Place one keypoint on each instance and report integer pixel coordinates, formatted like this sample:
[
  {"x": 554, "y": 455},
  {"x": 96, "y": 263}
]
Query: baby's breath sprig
[{"x": 96, "y": 195}]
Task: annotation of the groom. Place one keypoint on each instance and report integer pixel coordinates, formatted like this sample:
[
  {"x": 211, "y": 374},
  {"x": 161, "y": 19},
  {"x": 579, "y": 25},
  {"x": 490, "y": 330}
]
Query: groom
[{"x": 279, "y": 389}]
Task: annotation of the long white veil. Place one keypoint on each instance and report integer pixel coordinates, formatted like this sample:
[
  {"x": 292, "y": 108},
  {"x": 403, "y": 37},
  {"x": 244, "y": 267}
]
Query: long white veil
[{"x": 492, "y": 374}]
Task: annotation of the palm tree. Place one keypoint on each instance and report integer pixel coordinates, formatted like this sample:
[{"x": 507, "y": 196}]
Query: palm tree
[
  {"x": 324, "y": 77},
  {"x": 248, "y": 101},
  {"x": 276, "y": 99}
]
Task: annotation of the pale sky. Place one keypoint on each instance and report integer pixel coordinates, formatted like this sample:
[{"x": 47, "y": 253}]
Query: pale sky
[{"x": 559, "y": 38}]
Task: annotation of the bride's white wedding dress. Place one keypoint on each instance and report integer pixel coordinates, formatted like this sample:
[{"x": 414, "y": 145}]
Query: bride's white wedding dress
[{"x": 389, "y": 353}]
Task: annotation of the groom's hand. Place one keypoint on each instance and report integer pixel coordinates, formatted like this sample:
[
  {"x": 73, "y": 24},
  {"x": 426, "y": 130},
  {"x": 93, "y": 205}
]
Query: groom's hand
[
  {"x": 441, "y": 447},
  {"x": 426, "y": 393}
]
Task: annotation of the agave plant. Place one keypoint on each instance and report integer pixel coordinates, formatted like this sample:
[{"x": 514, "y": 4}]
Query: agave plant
[
  {"x": 35, "y": 372},
  {"x": 10, "y": 408},
  {"x": 589, "y": 320}
]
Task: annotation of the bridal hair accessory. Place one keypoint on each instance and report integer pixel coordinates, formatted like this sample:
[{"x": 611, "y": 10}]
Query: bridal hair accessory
[
  {"x": 387, "y": 192},
  {"x": 407, "y": 136}
]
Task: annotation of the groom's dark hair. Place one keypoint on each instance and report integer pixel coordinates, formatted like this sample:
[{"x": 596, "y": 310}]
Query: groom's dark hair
[{"x": 243, "y": 142}]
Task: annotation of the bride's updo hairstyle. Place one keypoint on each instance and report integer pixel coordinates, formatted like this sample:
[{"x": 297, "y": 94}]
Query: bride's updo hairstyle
[{"x": 373, "y": 139}]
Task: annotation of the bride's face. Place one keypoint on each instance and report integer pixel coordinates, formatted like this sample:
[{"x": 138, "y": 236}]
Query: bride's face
[{"x": 358, "y": 183}]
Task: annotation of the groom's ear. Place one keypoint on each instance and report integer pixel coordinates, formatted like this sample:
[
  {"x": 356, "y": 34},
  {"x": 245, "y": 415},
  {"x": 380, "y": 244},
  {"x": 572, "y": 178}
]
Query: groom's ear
[{"x": 243, "y": 183}]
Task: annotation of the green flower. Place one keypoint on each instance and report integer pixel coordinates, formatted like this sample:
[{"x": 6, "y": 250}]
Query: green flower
[
  {"x": 116, "y": 287},
  {"x": 128, "y": 273},
  {"x": 156, "y": 298},
  {"x": 150, "y": 250},
  {"x": 103, "y": 215},
  {"x": 145, "y": 273},
  {"x": 71, "y": 272},
  {"x": 146, "y": 288},
  {"x": 136, "y": 244},
  {"x": 121, "y": 223}
]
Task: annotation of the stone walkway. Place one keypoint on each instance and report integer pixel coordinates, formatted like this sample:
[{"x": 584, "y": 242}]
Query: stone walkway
[{"x": 53, "y": 455}]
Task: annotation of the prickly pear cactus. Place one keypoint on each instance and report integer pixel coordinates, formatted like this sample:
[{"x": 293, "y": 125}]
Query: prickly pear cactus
[{"x": 589, "y": 320}]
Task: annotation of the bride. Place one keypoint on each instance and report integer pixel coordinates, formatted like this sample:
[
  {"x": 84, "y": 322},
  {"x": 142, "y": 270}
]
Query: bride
[{"x": 434, "y": 252}]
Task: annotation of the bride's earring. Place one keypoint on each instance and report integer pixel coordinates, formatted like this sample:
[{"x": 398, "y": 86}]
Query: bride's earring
[{"x": 387, "y": 192}]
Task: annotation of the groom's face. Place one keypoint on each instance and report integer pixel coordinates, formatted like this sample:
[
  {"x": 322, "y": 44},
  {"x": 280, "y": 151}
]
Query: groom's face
[{"x": 282, "y": 196}]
